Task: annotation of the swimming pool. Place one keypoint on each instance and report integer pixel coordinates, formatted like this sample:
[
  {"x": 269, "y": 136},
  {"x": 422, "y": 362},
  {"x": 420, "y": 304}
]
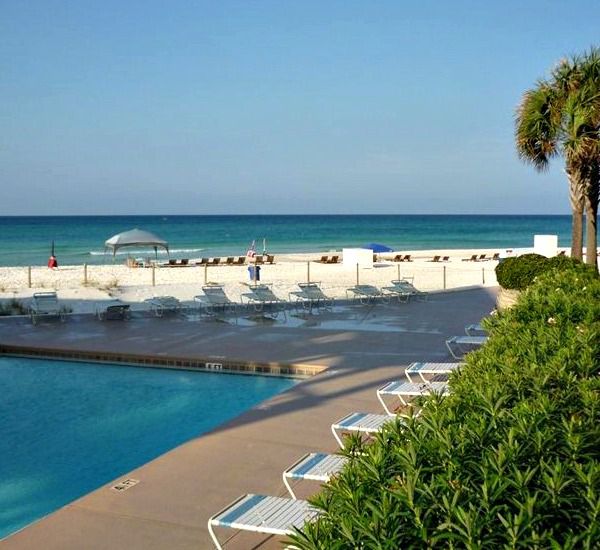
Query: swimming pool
[{"x": 67, "y": 428}]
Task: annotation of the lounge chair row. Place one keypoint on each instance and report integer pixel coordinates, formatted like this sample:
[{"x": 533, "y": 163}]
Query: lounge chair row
[
  {"x": 402, "y": 289},
  {"x": 282, "y": 515},
  {"x": 240, "y": 260},
  {"x": 482, "y": 258},
  {"x": 329, "y": 260}
]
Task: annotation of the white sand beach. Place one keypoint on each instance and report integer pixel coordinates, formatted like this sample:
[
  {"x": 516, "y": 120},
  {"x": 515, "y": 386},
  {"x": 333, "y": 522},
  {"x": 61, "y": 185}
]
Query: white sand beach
[{"x": 134, "y": 285}]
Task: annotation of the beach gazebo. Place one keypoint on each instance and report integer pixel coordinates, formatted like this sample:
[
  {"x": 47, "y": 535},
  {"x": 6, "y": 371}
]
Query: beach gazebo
[{"x": 135, "y": 237}]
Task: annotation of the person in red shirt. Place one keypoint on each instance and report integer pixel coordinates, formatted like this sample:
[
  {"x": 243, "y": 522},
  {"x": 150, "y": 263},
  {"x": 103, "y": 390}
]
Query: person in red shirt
[{"x": 52, "y": 262}]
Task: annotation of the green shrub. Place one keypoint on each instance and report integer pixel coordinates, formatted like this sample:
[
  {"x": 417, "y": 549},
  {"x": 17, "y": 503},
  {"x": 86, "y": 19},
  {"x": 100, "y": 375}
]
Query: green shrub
[
  {"x": 519, "y": 272},
  {"x": 511, "y": 459}
]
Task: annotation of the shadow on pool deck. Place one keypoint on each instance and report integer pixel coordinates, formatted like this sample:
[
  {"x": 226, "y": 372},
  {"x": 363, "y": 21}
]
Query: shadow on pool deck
[{"x": 363, "y": 347}]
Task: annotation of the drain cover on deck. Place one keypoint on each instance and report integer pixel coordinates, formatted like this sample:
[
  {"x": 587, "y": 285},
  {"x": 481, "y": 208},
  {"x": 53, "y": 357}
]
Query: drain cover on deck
[{"x": 125, "y": 484}]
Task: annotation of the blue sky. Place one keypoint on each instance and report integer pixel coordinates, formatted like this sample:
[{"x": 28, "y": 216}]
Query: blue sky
[{"x": 276, "y": 107}]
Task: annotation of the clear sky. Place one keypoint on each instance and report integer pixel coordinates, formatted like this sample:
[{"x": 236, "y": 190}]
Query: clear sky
[{"x": 199, "y": 107}]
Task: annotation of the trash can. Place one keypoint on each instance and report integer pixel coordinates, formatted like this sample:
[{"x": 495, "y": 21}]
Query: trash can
[{"x": 254, "y": 272}]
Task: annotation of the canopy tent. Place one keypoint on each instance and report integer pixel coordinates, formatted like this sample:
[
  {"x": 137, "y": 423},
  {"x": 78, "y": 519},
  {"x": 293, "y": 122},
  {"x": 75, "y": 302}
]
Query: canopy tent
[
  {"x": 136, "y": 237},
  {"x": 378, "y": 248}
]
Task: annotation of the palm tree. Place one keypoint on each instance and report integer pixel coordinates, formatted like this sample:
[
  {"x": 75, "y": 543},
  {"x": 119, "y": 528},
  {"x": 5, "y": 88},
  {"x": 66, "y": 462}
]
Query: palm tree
[{"x": 562, "y": 116}]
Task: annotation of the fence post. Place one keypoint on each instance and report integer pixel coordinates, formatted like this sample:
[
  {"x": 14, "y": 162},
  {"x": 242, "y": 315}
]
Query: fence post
[
  {"x": 483, "y": 275},
  {"x": 357, "y": 274},
  {"x": 153, "y": 275},
  {"x": 29, "y": 276},
  {"x": 308, "y": 271},
  {"x": 399, "y": 272},
  {"x": 205, "y": 273},
  {"x": 85, "y": 280},
  {"x": 444, "y": 277}
]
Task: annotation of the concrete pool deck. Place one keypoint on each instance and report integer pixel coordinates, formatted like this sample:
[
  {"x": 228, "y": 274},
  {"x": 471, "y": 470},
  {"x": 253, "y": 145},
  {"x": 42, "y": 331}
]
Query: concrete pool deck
[{"x": 362, "y": 348}]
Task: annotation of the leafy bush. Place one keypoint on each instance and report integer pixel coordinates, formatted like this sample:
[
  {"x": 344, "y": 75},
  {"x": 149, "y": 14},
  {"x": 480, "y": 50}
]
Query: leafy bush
[
  {"x": 520, "y": 271},
  {"x": 511, "y": 459}
]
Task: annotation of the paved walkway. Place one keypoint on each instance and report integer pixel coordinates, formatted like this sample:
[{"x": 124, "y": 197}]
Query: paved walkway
[{"x": 362, "y": 346}]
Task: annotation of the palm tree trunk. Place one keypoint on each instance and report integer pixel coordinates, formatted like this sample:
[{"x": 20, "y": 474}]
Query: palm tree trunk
[
  {"x": 591, "y": 218},
  {"x": 576, "y": 196}
]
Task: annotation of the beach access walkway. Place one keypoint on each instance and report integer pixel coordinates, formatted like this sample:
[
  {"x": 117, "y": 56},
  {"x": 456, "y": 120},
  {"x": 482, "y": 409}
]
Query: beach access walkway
[{"x": 361, "y": 347}]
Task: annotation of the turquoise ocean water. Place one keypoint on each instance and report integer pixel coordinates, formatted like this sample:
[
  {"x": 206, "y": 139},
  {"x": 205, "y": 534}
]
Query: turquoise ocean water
[
  {"x": 67, "y": 428},
  {"x": 80, "y": 239}
]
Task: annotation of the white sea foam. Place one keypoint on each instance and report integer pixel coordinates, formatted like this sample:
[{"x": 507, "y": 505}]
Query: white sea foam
[{"x": 132, "y": 251}]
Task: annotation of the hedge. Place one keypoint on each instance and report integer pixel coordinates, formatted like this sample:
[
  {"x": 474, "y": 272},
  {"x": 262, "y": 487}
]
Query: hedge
[{"x": 511, "y": 459}]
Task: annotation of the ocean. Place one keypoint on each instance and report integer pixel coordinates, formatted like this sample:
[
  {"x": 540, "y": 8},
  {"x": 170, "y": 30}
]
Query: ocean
[{"x": 26, "y": 240}]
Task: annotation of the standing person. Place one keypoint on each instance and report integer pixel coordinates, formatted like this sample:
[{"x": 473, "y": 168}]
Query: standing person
[{"x": 52, "y": 262}]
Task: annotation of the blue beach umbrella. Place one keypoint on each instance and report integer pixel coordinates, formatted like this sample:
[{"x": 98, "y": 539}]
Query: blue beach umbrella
[{"x": 378, "y": 248}]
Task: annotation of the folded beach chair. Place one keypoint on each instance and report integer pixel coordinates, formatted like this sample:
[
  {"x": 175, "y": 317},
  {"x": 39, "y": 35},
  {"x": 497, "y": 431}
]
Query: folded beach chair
[
  {"x": 159, "y": 305},
  {"x": 365, "y": 293},
  {"x": 45, "y": 304},
  {"x": 313, "y": 467},
  {"x": 473, "y": 258},
  {"x": 431, "y": 369},
  {"x": 214, "y": 300},
  {"x": 406, "y": 287},
  {"x": 263, "y": 514},
  {"x": 406, "y": 390},
  {"x": 311, "y": 295},
  {"x": 458, "y": 346},
  {"x": 366, "y": 423},
  {"x": 475, "y": 330}
]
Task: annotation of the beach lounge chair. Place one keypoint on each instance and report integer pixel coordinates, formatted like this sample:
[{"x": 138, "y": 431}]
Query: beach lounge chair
[
  {"x": 333, "y": 260},
  {"x": 399, "y": 292},
  {"x": 482, "y": 258},
  {"x": 172, "y": 263},
  {"x": 407, "y": 258},
  {"x": 404, "y": 390},
  {"x": 241, "y": 260},
  {"x": 431, "y": 369},
  {"x": 259, "y": 259},
  {"x": 313, "y": 467},
  {"x": 270, "y": 259},
  {"x": 263, "y": 514},
  {"x": 185, "y": 261},
  {"x": 215, "y": 261},
  {"x": 473, "y": 258},
  {"x": 436, "y": 259},
  {"x": 159, "y": 305},
  {"x": 475, "y": 330},
  {"x": 458, "y": 346},
  {"x": 406, "y": 287},
  {"x": 311, "y": 295},
  {"x": 323, "y": 260},
  {"x": 262, "y": 296},
  {"x": 203, "y": 261},
  {"x": 230, "y": 260},
  {"x": 446, "y": 259},
  {"x": 214, "y": 300},
  {"x": 45, "y": 304},
  {"x": 112, "y": 310},
  {"x": 496, "y": 257},
  {"x": 397, "y": 258},
  {"x": 365, "y": 293},
  {"x": 364, "y": 423}
]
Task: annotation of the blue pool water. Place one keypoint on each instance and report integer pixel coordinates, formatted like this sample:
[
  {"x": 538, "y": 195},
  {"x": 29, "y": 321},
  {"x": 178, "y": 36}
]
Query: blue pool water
[{"x": 67, "y": 428}]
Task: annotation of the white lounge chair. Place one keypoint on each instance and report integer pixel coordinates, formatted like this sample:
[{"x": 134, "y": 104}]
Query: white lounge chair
[
  {"x": 359, "y": 422},
  {"x": 402, "y": 390},
  {"x": 313, "y": 467},
  {"x": 475, "y": 330},
  {"x": 365, "y": 293},
  {"x": 261, "y": 296},
  {"x": 431, "y": 369},
  {"x": 406, "y": 287},
  {"x": 311, "y": 295},
  {"x": 159, "y": 305},
  {"x": 45, "y": 304},
  {"x": 112, "y": 310},
  {"x": 263, "y": 514},
  {"x": 214, "y": 300},
  {"x": 458, "y": 346}
]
